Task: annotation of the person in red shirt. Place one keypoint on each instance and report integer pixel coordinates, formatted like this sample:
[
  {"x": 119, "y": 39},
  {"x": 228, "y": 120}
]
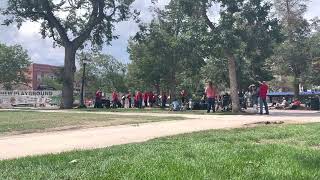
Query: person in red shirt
[
  {"x": 295, "y": 104},
  {"x": 211, "y": 93},
  {"x": 98, "y": 103},
  {"x": 263, "y": 91},
  {"x": 136, "y": 99},
  {"x": 145, "y": 98},
  {"x": 115, "y": 99}
]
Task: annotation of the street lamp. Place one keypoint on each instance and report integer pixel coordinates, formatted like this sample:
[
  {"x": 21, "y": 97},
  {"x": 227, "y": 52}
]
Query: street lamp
[{"x": 84, "y": 63}]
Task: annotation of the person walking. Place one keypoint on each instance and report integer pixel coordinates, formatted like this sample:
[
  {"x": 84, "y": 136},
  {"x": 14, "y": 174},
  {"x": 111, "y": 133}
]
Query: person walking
[
  {"x": 263, "y": 91},
  {"x": 211, "y": 93}
]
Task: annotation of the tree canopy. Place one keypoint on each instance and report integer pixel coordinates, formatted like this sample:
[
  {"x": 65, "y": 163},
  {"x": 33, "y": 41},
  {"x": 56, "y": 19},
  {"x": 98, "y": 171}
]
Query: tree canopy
[
  {"x": 293, "y": 55},
  {"x": 243, "y": 36},
  {"x": 165, "y": 53},
  {"x": 14, "y": 63},
  {"x": 103, "y": 72}
]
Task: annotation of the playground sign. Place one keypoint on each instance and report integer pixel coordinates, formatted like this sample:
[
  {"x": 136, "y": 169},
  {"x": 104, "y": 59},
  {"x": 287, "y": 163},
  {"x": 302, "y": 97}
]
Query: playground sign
[{"x": 29, "y": 98}]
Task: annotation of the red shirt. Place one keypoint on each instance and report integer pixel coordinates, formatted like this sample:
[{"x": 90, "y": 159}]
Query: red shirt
[
  {"x": 183, "y": 93},
  {"x": 296, "y": 103},
  {"x": 211, "y": 92},
  {"x": 138, "y": 95},
  {"x": 145, "y": 96},
  {"x": 263, "y": 91},
  {"x": 114, "y": 96},
  {"x": 98, "y": 95},
  {"x": 129, "y": 96}
]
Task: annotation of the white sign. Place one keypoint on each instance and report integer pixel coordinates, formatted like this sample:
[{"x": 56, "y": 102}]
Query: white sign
[{"x": 29, "y": 98}]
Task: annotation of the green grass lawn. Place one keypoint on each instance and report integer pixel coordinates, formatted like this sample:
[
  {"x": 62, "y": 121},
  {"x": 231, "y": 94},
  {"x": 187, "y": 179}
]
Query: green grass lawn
[
  {"x": 17, "y": 122},
  {"x": 273, "y": 152}
]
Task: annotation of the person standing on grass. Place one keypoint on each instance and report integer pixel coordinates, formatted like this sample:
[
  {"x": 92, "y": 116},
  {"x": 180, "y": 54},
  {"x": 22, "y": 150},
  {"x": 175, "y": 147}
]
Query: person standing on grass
[
  {"x": 145, "y": 98},
  {"x": 263, "y": 91},
  {"x": 115, "y": 99},
  {"x": 129, "y": 98},
  {"x": 211, "y": 93},
  {"x": 151, "y": 98},
  {"x": 183, "y": 95},
  {"x": 226, "y": 102},
  {"x": 98, "y": 99},
  {"x": 139, "y": 99},
  {"x": 136, "y": 99},
  {"x": 123, "y": 98},
  {"x": 164, "y": 98}
]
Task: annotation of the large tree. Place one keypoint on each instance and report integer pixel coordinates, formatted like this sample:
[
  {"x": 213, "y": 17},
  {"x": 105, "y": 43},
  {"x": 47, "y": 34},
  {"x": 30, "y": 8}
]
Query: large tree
[
  {"x": 14, "y": 63},
  {"x": 293, "y": 56},
  {"x": 244, "y": 29},
  {"x": 70, "y": 23},
  {"x": 314, "y": 69}
]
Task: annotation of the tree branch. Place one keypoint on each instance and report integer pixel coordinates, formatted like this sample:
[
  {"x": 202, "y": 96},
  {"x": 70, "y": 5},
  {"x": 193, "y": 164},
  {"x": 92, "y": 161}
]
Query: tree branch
[
  {"x": 96, "y": 17},
  {"x": 54, "y": 22},
  {"x": 205, "y": 16}
]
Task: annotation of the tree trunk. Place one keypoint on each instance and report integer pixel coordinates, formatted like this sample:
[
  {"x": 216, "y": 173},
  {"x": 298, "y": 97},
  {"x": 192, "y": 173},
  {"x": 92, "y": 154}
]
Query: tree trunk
[
  {"x": 68, "y": 77},
  {"x": 296, "y": 87},
  {"x": 233, "y": 83}
]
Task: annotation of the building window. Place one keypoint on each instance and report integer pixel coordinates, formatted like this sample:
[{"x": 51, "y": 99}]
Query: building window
[{"x": 39, "y": 77}]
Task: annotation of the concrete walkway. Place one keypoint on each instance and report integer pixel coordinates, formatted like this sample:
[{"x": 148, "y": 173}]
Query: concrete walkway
[{"x": 56, "y": 142}]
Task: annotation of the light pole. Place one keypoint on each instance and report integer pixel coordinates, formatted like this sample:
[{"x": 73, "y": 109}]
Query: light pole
[{"x": 84, "y": 63}]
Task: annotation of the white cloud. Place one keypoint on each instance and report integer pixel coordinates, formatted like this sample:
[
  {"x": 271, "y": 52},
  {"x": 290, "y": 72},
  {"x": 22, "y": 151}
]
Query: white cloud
[
  {"x": 313, "y": 9},
  {"x": 42, "y": 51}
]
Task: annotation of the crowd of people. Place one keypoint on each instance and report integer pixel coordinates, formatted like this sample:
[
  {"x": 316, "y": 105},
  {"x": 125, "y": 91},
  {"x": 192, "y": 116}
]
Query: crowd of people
[
  {"x": 129, "y": 100},
  {"x": 285, "y": 104},
  {"x": 252, "y": 97},
  {"x": 212, "y": 100}
]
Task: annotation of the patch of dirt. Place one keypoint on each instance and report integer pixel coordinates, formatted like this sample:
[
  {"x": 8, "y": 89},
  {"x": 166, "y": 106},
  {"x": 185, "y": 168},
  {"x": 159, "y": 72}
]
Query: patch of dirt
[
  {"x": 262, "y": 123},
  {"x": 315, "y": 147}
]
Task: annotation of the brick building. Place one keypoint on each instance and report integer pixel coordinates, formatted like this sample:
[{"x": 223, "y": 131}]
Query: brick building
[{"x": 38, "y": 72}]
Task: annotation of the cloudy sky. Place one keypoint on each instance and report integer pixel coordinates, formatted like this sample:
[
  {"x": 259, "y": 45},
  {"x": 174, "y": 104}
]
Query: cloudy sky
[{"x": 42, "y": 51}]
